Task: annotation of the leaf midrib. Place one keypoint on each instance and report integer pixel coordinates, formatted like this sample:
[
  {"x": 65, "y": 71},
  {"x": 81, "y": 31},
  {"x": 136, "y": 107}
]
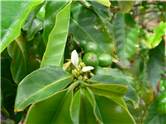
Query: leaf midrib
[{"x": 42, "y": 89}]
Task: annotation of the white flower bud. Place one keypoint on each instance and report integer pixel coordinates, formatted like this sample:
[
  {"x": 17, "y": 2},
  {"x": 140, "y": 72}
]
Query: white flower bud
[
  {"x": 74, "y": 58},
  {"x": 87, "y": 68}
]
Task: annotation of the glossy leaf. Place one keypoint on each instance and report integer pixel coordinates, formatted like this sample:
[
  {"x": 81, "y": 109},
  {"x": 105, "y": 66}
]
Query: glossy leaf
[
  {"x": 115, "y": 76},
  {"x": 14, "y": 14},
  {"x": 52, "y": 8},
  {"x": 86, "y": 111},
  {"x": 39, "y": 85},
  {"x": 117, "y": 89},
  {"x": 18, "y": 52},
  {"x": 112, "y": 113},
  {"x": 63, "y": 115},
  {"x": 75, "y": 107},
  {"x": 114, "y": 92},
  {"x": 53, "y": 110},
  {"x": 54, "y": 52},
  {"x": 91, "y": 97},
  {"x": 111, "y": 75},
  {"x": 107, "y": 79}
]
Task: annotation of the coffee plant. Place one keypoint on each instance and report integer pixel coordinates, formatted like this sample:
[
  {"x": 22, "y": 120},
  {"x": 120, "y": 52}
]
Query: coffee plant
[{"x": 83, "y": 62}]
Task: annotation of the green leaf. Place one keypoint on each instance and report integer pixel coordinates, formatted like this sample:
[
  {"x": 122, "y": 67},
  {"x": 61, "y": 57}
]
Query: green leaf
[
  {"x": 107, "y": 79},
  {"x": 116, "y": 89},
  {"x": 39, "y": 85},
  {"x": 33, "y": 24},
  {"x": 114, "y": 92},
  {"x": 52, "y": 8},
  {"x": 7, "y": 93},
  {"x": 14, "y": 14},
  {"x": 112, "y": 112},
  {"x": 57, "y": 39},
  {"x": 41, "y": 13},
  {"x": 132, "y": 41},
  {"x": 104, "y": 16},
  {"x": 155, "y": 38},
  {"x": 75, "y": 107},
  {"x": 111, "y": 75},
  {"x": 54, "y": 110},
  {"x": 35, "y": 27},
  {"x": 88, "y": 26},
  {"x": 76, "y": 9},
  {"x": 155, "y": 64},
  {"x": 86, "y": 111},
  {"x": 5, "y": 62},
  {"x": 90, "y": 96},
  {"x": 120, "y": 34},
  {"x": 126, "y": 42},
  {"x": 63, "y": 115},
  {"x": 18, "y": 52},
  {"x": 125, "y": 6},
  {"x": 35, "y": 49},
  {"x": 106, "y": 3},
  {"x": 153, "y": 116}
]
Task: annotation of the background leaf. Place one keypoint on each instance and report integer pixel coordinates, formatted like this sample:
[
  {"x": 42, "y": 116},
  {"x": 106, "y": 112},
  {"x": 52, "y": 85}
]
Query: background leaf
[
  {"x": 26, "y": 56},
  {"x": 125, "y": 6},
  {"x": 87, "y": 26},
  {"x": 155, "y": 64},
  {"x": 153, "y": 116},
  {"x": 33, "y": 24},
  {"x": 8, "y": 94},
  {"x": 126, "y": 41},
  {"x": 106, "y": 3},
  {"x": 14, "y": 15},
  {"x": 18, "y": 52},
  {"x": 155, "y": 38}
]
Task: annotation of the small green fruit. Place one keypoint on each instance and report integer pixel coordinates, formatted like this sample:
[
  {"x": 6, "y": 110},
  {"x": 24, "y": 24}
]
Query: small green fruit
[
  {"x": 91, "y": 47},
  {"x": 105, "y": 60},
  {"x": 91, "y": 59}
]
